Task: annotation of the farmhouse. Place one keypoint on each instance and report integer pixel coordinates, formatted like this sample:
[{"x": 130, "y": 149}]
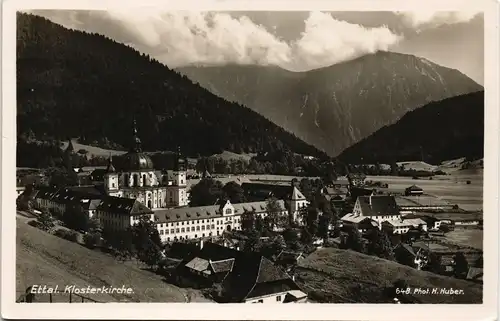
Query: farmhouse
[
  {"x": 404, "y": 225},
  {"x": 413, "y": 190},
  {"x": 288, "y": 259},
  {"x": 378, "y": 208},
  {"x": 255, "y": 279},
  {"x": 244, "y": 277},
  {"x": 361, "y": 223}
]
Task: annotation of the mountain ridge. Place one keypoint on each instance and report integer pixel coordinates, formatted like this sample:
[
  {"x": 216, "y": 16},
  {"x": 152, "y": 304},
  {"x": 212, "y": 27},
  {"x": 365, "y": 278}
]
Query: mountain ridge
[
  {"x": 448, "y": 129},
  {"x": 76, "y": 84},
  {"x": 310, "y": 103}
]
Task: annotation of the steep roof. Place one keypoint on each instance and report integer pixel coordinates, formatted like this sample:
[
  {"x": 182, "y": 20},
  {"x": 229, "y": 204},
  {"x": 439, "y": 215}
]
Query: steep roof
[
  {"x": 378, "y": 205},
  {"x": 414, "y": 188},
  {"x": 198, "y": 264},
  {"x": 253, "y": 275},
  {"x": 297, "y": 195},
  {"x": 90, "y": 204},
  {"x": 222, "y": 266},
  {"x": 125, "y": 206},
  {"x": 408, "y": 248},
  {"x": 475, "y": 274}
]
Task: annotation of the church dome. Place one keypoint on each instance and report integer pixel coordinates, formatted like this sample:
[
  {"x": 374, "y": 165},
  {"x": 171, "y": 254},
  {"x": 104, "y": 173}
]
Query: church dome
[{"x": 135, "y": 159}]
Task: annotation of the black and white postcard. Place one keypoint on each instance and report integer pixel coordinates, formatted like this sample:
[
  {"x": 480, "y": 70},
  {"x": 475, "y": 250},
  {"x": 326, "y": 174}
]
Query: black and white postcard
[{"x": 339, "y": 157}]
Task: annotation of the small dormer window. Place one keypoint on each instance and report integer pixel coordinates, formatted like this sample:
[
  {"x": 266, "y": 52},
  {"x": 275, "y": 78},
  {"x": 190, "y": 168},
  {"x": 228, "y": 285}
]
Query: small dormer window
[{"x": 229, "y": 211}]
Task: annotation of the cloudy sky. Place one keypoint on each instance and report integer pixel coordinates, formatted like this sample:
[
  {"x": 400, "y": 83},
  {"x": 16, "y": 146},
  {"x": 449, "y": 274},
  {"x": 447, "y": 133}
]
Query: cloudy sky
[{"x": 292, "y": 40}]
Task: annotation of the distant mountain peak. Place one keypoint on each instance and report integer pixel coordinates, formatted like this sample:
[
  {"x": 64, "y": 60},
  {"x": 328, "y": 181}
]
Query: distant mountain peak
[{"x": 346, "y": 102}]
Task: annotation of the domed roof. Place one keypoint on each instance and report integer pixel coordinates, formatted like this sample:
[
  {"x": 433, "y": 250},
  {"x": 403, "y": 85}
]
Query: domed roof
[{"x": 135, "y": 159}]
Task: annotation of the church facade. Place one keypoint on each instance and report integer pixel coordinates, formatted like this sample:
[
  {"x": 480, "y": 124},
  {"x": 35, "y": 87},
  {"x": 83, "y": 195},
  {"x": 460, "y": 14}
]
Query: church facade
[{"x": 137, "y": 179}]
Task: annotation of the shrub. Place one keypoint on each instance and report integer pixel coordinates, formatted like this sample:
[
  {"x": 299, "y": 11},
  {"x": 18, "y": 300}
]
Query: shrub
[
  {"x": 67, "y": 235},
  {"x": 35, "y": 223},
  {"x": 92, "y": 239}
]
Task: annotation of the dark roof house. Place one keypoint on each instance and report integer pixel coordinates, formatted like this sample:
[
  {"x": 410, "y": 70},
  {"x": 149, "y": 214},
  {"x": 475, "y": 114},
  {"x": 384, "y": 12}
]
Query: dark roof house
[
  {"x": 413, "y": 190},
  {"x": 254, "y": 276},
  {"x": 118, "y": 205},
  {"x": 475, "y": 274},
  {"x": 379, "y": 205}
]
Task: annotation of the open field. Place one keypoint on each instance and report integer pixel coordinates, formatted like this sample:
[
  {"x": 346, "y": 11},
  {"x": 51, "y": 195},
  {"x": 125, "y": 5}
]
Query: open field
[
  {"x": 344, "y": 276},
  {"x": 48, "y": 260},
  {"x": 96, "y": 151},
  {"x": 466, "y": 237},
  {"x": 450, "y": 188}
]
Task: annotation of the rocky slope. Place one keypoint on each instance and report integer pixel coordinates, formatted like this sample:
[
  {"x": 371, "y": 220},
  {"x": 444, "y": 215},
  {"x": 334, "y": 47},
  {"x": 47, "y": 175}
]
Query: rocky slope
[{"x": 334, "y": 107}]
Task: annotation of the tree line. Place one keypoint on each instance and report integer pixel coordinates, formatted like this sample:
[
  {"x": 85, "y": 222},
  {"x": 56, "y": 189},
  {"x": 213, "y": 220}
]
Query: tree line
[{"x": 86, "y": 86}]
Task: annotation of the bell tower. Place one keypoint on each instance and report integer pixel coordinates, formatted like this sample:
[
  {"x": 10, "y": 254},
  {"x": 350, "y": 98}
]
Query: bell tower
[
  {"x": 179, "y": 178},
  {"x": 111, "y": 178}
]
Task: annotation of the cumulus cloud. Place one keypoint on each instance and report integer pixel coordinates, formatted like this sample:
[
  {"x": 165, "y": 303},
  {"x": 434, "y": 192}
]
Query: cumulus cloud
[
  {"x": 180, "y": 38},
  {"x": 431, "y": 19},
  {"x": 326, "y": 41}
]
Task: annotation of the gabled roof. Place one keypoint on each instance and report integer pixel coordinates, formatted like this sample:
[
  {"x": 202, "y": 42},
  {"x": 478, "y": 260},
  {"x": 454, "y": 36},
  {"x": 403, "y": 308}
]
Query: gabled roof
[
  {"x": 254, "y": 275},
  {"x": 125, "y": 206},
  {"x": 90, "y": 204},
  {"x": 198, "y": 264},
  {"x": 408, "y": 248},
  {"x": 414, "y": 188},
  {"x": 288, "y": 255},
  {"x": 222, "y": 266},
  {"x": 378, "y": 205},
  {"x": 297, "y": 195},
  {"x": 475, "y": 274}
]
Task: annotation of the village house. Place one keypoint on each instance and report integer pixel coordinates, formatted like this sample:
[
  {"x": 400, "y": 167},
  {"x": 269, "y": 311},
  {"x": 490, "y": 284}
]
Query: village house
[
  {"x": 379, "y": 208},
  {"x": 243, "y": 277},
  {"x": 288, "y": 259},
  {"x": 475, "y": 275},
  {"x": 404, "y": 225},
  {"x": 413, "y": 190},
  {"x": 412, "y": 256},
  {"x": 118, "y": 214},
  {"x": 361, "y": 223}
]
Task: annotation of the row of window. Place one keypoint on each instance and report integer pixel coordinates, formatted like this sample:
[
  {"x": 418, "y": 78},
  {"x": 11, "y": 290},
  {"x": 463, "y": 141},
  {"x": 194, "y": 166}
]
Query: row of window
[
  {"x": 218, "y": 222},
  {"x": 175, "y": 238},
  {"x": 186, "y": 229}
]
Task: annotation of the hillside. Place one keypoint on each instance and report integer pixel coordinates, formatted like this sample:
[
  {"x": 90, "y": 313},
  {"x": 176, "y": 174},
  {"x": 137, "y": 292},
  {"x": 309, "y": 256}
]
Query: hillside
[
  {"x": 342, "y": 276},
  {"x": 46, "y": 259},
  {"x": 75, "y": 84},
  {"x": 334, "y": 107},
  {"x": 440, "y": 131}
]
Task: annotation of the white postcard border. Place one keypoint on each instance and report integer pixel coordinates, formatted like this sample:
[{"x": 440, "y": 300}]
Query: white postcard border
[{"x": 210, "y": 311}]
